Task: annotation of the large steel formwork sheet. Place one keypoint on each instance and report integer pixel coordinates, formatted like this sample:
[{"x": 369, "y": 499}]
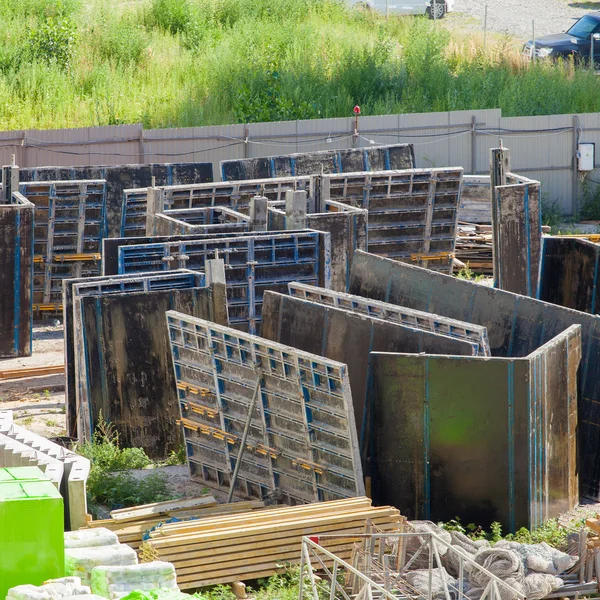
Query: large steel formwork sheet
[
  {"x": 110, "y": 246},
  {"x": 235, "y": 195},
  {"x": 413, "y": 214},
  {"x": 479, "y": 439},
  {"x": 397, "y": 314},
  {"x": 381, "y": 158},
  {"x": 517, "y": 228},
  {"x": 181, "y": 279},
  {"x": 123, "y": 368},
  {"x": 348, "y": 337},
  {"x": 253, "y": 264},
  {"x": 346, "y": 225},
  {"x": 569, "y": 273},
  {"x": 16, "y": 276},
  {"x": 517, "y": 326},
  {"x": 122, "y": 177},
  {"x": 70, "y": 224},
  {"x": 301, "y": 442}
]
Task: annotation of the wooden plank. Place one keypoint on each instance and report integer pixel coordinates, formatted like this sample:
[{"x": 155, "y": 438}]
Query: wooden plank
[
  {"x": 32, "y": 372},
  {"x": 236, "y": 531},
  {"x": 159, "y": 508}
]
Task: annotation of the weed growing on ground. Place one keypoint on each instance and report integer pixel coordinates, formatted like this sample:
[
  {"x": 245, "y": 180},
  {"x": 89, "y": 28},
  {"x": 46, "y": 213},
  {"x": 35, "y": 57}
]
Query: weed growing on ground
[
  {"x": 469, "y": 275},
  {"x": 590, "y": 204},
  {"x": 109, "y": 483}
]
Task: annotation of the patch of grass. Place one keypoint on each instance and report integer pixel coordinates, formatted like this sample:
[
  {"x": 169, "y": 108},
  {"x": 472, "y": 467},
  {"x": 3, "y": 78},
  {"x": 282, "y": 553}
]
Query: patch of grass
[
  {"x": 51, "y": 423},
  {"x": 208, "y": 62},
  {"x": 469, "y": 275}
]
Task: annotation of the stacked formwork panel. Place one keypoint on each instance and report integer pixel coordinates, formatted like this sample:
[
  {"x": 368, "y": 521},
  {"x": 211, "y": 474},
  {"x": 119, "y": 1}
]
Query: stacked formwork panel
[
  {"x": 253, "y": 264},
  {"x": 381, "y": 158},
  {"x": 120, "y": 347},
  {"x": 283, "y": 415},
  {"x": 517, "y": 327},
  {"x": 70, "y": 224},
  {"x": 198, "y": 221},
  {"x": 122, "y": 177},
  {"x": 16, "y": 276}
]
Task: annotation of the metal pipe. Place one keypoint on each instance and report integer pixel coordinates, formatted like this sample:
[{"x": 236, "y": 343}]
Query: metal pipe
[{"x": 244, "y": 438}]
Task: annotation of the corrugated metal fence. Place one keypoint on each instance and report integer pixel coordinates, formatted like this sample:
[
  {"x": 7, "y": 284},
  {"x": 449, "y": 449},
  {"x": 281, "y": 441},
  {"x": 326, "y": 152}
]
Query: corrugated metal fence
[{"x": 542, "y": 148}]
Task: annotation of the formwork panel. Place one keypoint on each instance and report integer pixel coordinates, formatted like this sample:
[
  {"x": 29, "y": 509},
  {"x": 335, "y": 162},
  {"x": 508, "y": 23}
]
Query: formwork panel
[
  {"x": 413, "y": 214},
  {"x": 200, "y": 221},
  {"x": 569, "y": 273},
  {"x": 70, "y": 224},
  {"x": 252, "y": 264},
  {"x": 122, "y": 177},
  {"x": 446, "y": 444},
  {"x": 396, "y": 156},
  {"x": 123, "y": 371},
  {"x": 235, "y": 195},
  {"x": 517, "y": 326},
  {"x": 396, "y": 314},
  {"x": 348, "y": 337},
  {"x": 302, "y": 435},
  {"x": 101, "y": 286},
  {"x": 16, "y": 276}
]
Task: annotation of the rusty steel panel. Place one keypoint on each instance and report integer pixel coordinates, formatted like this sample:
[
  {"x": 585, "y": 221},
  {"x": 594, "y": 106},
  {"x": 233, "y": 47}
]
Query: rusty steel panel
[
  {"x": 517, "y": 226},
  {"x": 569, "y": 273},
  {"x": 121, "y": 350},
  {"x": 381, "y": 158},
  {"x": 517, "y": 326},
  {"x": 296, "y": 407},
  {"x": 16, "y": 276},
  {"x": 479, "y": 439},
  {"x": 395, "y": 314}
]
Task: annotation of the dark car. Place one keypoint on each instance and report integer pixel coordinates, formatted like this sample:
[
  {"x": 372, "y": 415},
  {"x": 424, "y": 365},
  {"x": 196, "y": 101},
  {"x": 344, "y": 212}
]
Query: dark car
[{"x": 575, "y": 43}]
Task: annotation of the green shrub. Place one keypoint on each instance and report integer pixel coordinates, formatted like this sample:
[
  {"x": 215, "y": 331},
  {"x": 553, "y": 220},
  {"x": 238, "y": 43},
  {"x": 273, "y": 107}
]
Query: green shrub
[
  {"x": 123, "y": 42},
  {"x": 172, "y": 16},
  {"x": 54, "y": 41}
]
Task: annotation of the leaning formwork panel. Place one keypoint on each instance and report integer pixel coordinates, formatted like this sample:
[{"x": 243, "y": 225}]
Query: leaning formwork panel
[
  {"x": 253, "y": 264},
  {"x": 489, "y": 439},
  {"x": 569, "y": 273},
  {"x": 122, "y": 177},
  {"x": 66, "y": 468},
  {"x": 235, "y": 195},
  {"x": 182, "y": 279},
  {"x": 295, "y": 408},
  {"x": 396, "y": 314},
  {"x": 16, "y": 276},
  {"x": 348, "y": 337},
  {"x": 381, "y": 158},
  {"x": 122, "y": 366},
  {"x": 70, "y": 224},
  {"x": 413, "y": 214},
  {"x": 346, "y": 225},
  {"x": 517, "y": 326}
]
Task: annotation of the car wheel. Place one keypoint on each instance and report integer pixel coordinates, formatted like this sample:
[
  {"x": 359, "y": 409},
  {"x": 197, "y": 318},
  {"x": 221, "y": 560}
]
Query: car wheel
[{"x": 438, "y": 10}]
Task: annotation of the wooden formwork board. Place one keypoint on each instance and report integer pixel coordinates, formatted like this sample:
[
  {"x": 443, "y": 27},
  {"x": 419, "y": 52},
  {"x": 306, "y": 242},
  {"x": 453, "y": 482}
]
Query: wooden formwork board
[{"x": 302, "y": 439}]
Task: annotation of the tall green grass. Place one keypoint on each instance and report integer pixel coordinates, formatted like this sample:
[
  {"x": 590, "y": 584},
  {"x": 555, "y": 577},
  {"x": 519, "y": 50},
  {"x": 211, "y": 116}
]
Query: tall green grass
[{"x": 206, "y": 62}]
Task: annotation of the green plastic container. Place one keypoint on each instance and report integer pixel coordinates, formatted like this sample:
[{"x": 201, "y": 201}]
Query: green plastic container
[{"x": 32, "y": 547}]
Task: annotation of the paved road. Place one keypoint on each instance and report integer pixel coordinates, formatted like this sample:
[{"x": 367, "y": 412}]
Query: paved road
[{"x": 515, "y": 16}]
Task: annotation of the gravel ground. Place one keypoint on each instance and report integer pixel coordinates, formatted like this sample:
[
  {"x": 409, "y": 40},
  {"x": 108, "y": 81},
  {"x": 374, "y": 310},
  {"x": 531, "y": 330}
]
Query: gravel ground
[{"x": 515, "y": 16}]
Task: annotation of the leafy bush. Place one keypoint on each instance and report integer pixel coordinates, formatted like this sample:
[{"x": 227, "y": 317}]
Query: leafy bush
[
  {"x": 54, "y": 41},
  {"x": 172, "y": 16},
  {"x": 123, "y": 42}
]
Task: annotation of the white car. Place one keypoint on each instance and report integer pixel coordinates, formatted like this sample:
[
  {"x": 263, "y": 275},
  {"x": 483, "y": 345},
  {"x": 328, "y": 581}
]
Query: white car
[{"x": 435, "y": 9}]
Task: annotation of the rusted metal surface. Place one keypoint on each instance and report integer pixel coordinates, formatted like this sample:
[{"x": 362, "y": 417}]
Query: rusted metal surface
[{"x": 478, "y": 439}]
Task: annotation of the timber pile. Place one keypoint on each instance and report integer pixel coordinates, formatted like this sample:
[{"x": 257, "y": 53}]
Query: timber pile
[
  {"x": 253, "y": 545},
  {"x": 474, "y": 247},
  {"x": 130, "y": 524}
]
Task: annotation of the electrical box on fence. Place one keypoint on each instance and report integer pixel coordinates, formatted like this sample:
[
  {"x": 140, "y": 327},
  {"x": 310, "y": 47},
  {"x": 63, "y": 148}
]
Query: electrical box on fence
[{"x": 586, "y": 156}]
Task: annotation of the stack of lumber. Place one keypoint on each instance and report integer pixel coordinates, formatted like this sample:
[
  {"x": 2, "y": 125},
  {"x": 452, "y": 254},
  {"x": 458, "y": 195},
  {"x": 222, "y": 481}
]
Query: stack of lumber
[
  {"x": 474, "y": 247},
  {"x": 593, "y": 540},
  {"x": 130, "y": 524},
  {"x": 253, "y": 545}
]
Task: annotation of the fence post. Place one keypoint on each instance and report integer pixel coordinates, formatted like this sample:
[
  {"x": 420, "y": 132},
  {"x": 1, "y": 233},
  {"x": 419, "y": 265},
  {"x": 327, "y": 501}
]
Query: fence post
[
  {"x": 575, "y": 172},
  {"x": 473, "y": 145}
]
